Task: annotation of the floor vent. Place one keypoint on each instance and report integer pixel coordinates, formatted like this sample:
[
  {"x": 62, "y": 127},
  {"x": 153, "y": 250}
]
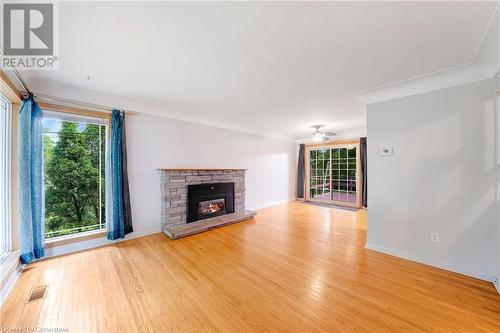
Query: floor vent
[{"x": 37, "y": 293}]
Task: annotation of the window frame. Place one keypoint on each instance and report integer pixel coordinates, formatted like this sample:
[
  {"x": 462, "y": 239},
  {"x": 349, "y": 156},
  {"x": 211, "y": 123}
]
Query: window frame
[
  {"x": 6, "y": 174},
  {"x": 332, "y": 145},
  {"x": 77, "y": 115}
]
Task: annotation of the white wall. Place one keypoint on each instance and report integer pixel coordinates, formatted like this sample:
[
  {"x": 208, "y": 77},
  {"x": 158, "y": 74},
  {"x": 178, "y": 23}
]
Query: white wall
[
  {"x": 440, "y": 178},
  {"x": 157, "y": 142},
  {"x": 497, "y": 112}
]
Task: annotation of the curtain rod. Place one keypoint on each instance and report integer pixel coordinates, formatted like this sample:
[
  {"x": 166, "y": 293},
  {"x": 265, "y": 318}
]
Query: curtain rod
[
  {"x": 70, "y": 102},
  {"x": 18, "y": 77}
]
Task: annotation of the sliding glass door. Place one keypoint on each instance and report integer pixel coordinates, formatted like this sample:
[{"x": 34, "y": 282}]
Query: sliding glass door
[{"x": 333, "y": 174}]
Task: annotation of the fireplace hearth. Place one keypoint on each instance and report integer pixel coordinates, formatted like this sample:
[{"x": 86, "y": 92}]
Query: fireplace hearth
[{"x": 209, "y": 200}]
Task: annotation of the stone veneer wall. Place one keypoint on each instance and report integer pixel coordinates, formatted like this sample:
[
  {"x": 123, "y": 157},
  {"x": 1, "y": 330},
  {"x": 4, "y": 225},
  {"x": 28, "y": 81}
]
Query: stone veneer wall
[{"x": 174, "y": 184}]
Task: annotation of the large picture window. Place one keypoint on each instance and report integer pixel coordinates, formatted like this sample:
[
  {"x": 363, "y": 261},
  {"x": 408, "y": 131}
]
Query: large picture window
[
  {"x": 5, "y": 176},
  {"x": 74, "y": 161}
]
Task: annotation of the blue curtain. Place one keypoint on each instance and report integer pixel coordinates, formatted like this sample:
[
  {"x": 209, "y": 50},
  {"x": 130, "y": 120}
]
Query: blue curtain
[
  {"x": 31, "y": 189},
  {"x": 118, "y": 208}
]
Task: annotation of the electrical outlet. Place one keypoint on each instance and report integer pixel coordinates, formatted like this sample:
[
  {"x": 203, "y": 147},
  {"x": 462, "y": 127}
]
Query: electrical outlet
[
  {"x": 143, "y": 216},
  {"x": 434, "y": 237}
]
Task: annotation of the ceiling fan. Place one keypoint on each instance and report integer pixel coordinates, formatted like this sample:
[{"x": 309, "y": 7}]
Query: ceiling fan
[{"x": 319, "y": 136}]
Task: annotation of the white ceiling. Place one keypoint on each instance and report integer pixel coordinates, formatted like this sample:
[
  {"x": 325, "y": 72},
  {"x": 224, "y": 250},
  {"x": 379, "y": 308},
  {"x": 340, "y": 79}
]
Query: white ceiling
[{"x": 270, "y": 68}]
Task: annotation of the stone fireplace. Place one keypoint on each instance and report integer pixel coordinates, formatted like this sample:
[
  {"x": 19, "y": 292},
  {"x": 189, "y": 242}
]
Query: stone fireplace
[{"x": 192, "y": 198}]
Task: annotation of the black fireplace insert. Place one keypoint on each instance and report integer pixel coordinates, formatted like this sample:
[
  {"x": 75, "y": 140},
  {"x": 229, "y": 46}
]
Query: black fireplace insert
[{"x": 209, "y": 200}]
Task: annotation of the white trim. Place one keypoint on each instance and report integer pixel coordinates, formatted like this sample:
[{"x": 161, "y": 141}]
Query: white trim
[
  {"x": 349, "y": 135},
  {"x": 442, "y": 80},
  {"x": 390, "y": 85},
  {"x": 12, "y": 268},
  {"x": 74, "y": 118},
  {"x": 75, "y": 235},
  {"x": 5, "y": 292},
  {"x": 497, "y": 160},
  {"x": 468, "y": 72},
  {"x": 485, "y": 33},
  {"x": 5, "y": 175},
  {"x": 428, "y": 261},
  {"x": 96, "y": 242},
  {"x": 274, "y": 203}
]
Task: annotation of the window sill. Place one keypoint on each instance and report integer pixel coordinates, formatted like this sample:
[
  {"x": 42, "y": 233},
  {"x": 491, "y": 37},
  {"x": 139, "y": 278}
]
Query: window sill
[{"x": 75, "y": 238}]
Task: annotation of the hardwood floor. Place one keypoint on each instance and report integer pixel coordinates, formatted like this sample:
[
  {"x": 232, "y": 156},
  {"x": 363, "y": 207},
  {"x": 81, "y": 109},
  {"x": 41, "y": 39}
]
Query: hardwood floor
[{"x": 296, "y": 267}]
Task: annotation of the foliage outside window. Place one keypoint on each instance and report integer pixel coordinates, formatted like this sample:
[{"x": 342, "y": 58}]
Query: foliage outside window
[{"x": 74, "y": 154}]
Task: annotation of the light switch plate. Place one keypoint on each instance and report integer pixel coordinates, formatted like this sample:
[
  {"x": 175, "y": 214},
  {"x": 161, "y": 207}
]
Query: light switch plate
[{"x": 434, "y": 237}]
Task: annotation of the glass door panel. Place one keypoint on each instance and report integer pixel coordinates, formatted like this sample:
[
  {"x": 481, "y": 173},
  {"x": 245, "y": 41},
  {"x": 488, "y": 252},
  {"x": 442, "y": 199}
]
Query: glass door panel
[
  {"x": 344, "y": 175},
  {"x": 319, "y": 174},
  {"x": 333, "y": 175}
]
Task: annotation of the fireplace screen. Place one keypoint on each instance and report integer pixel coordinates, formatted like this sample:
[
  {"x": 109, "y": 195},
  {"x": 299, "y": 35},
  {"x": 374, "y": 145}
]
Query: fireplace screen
[
  {"x": 209, "y": 200},
  {"x": 211, "y": 206}
]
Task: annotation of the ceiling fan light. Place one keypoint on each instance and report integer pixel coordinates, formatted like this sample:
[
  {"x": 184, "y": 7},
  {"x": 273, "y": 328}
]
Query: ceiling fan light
[{"x": 319, "y": 138}]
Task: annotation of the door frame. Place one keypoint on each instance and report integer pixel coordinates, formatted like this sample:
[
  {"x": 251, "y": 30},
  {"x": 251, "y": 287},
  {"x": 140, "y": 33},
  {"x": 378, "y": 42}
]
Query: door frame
[{"x": 331, "y": 145}]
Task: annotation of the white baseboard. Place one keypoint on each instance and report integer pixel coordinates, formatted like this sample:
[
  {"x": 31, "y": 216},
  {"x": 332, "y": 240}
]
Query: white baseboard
[
  {"x": 429, "y": 261},
  {"x": 13, "y": 269},
  {"x": 274, "y": 203},
  {"x": 97, "y": 242},
  {"x": 4, "y": 293}
]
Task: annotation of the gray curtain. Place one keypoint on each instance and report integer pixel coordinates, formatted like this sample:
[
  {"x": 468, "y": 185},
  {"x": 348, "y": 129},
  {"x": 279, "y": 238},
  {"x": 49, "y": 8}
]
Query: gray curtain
[
  {"x": 301, "y": 172},
  {"x": 364, "y": 173},
  {"x": 127, "y": 210}
]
